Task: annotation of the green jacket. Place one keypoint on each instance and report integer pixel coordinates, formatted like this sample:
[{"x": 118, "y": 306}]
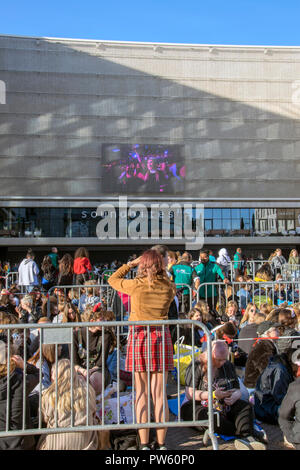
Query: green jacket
[
  {"x": 208, "y": 273},
  {"x": 237, "y": 258},
  {"x": 54, "y": 259},
  {"x": 183, "y": 274}
]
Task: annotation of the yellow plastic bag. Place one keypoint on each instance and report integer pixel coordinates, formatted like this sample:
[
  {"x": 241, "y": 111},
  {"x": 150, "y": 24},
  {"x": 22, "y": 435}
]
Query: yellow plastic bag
[{"x": 185, "y": 358}]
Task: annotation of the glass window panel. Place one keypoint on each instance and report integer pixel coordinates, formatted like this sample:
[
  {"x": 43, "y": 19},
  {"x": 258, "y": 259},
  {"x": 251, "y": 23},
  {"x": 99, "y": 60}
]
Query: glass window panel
[
  {"x": 235, "y": 213},
  {"x": 235, "y": 224},
  {"x": 226, "y": 214},
  {"x": 226, "y": 224},
  {"x": 217, "y": 224},
  {"x": 207, "y": 224},
  {"x": 217, "y": 213},
  {"x": 245, "y": 213},
  {"x": 208, "y": 213}
]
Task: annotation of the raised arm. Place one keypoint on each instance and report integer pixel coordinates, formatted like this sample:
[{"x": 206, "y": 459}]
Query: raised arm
[{"x": 117, "y": 281}]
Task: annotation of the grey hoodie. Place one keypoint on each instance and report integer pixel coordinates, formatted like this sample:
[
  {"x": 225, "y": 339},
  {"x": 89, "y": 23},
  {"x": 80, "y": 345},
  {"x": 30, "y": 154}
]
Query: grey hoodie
[{"x": 28, "y": 273}]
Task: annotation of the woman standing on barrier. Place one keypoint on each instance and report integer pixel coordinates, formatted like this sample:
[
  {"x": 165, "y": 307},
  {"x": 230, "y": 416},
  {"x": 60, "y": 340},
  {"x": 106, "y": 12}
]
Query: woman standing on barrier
[
  {"x": 65, "y": 270},
  {"x": 151, "y": 295},
  {"x": 82, "y": 265},
  {"x": 49, "y": 273},
  {"x": 82, "y": 440}
]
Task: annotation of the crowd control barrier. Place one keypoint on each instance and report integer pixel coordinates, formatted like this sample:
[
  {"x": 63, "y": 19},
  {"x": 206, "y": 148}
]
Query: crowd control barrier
[
  {"x": 63, "y": 334},
  {"x": 218, "y": 294},
  {"x": 11, "y": 278}
]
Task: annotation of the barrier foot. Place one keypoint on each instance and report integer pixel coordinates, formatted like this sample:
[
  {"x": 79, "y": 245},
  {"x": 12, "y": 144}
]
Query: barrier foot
[{"x": 210, "y": 438}]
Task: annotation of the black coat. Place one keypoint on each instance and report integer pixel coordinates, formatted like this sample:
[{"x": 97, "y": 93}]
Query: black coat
[
  {"x": 271, "y": 388},
  {"x": 16, "y": 407},
  {"x": 289, "y": 413}
]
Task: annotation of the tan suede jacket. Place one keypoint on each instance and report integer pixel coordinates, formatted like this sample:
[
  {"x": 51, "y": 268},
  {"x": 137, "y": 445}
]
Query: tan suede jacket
[{"x": 147, "y": 302}]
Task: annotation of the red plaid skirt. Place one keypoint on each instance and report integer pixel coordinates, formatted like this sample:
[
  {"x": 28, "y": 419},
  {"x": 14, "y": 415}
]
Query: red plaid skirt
[{"x": 155, "y": 348}]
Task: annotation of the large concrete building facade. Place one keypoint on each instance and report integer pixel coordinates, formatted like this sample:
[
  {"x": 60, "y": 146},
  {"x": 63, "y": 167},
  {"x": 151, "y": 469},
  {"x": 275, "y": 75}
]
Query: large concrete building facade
[{"x": 230, "y": 112}]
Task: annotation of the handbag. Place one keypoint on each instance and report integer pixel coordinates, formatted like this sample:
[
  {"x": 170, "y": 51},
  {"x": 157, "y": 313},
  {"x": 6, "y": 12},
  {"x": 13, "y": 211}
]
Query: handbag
[{"x": 185, "y": 353}]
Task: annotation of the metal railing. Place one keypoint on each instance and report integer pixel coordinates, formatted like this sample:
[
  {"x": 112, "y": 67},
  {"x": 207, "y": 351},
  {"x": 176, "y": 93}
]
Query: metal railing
[
  {"x": 11, "y": 278},
  {"x": 272, "y": 292},
  {"x": 250, "y": 266},
  {"x": 108, "y": 272},
  {"x": 64, "y": 334},
  {"x": 291, "y": 272}
]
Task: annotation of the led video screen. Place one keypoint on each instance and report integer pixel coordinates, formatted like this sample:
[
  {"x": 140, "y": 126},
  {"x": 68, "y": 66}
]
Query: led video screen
[{"x": 143, "y": 169}]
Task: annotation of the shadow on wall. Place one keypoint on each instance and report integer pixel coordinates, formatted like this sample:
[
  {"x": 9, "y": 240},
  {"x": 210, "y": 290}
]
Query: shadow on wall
[{"x": 64, "y": 100}]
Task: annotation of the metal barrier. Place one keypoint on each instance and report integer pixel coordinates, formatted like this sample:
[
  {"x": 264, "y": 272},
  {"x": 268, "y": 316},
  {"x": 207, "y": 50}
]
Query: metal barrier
[
  {"x": 251, "y": 267},
  {"x": 291, "y": 272},
  {"x": 11, "y": 278},
  {"x": 115, "y": 301},
  {"x": 108, "y": 272},
  {"x": 64, "y": 334},
  {"x": 272, "y": 292},
  {"x": 185, "y": 299},
  {"x": 104, "y": 292}
]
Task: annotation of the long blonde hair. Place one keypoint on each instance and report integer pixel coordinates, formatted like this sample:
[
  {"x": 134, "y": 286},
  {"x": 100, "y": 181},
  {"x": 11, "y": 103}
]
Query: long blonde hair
[
  {"x": 247, "y": 312},
  {"x": 63, "y": 378}
]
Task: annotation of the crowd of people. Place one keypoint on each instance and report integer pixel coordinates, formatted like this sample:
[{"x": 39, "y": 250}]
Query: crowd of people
[{"x": 255, "y": 352}]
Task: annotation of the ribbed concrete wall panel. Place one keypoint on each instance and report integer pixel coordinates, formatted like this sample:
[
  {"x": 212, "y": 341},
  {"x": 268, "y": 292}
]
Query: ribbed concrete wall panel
[{"x": 235, "y": 110}]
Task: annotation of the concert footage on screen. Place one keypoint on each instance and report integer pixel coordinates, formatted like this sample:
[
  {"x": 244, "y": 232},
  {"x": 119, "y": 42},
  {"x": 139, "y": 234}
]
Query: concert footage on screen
[{"x": 142, "y": 169}]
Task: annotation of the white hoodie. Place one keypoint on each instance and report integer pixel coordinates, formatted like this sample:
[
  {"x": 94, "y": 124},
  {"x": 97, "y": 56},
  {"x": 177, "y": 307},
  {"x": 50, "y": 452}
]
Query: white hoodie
[
  {"x": 223, "y": 258},
  {"x": 28, "y": 272}
]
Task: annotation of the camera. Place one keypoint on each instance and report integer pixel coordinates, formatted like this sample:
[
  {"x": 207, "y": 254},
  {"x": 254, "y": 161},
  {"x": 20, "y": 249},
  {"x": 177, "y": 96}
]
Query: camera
[{"x": 226, "y": 384}]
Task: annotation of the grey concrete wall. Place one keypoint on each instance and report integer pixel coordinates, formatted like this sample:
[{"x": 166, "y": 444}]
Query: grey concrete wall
[{"x": 235, "y": 109}]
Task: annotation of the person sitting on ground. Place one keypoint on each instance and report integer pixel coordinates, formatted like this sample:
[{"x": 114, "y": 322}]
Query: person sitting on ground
[
  {"x": 272, "y": 385},
  {"x": 266, "y": 309},
  {"x": 261, "y": 288},
  {"x": 248, "y": 334},
  {"x": 261, "y": 352},
  {"x": 80, "y": 440},
  {"x": 249, "y": 315},
  {"x": 7, "y": 303},
  {"x": 12, "y": 389},
  {"x": 26, "y": 311},
  {"x": 92, "y": 295},
  {"x": 244, "y": 295},
  {"x": 74, "y": 296},
  {"x": 70, "y": 313},
  {"x": 287, "y": 329},
  {"x": 229, "y": 333},
  {"x": 289, "y": 411},
  {"x": 232, "y": 313},
  {"x": 236, "y": 418},
  {"x": 14, "y": 295},
  {"x": 99, "y": 348},
  {"x": 50, "y": 307},
  {"x": 198, "y": 313},
  {"x": 46, "y": 362}
]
